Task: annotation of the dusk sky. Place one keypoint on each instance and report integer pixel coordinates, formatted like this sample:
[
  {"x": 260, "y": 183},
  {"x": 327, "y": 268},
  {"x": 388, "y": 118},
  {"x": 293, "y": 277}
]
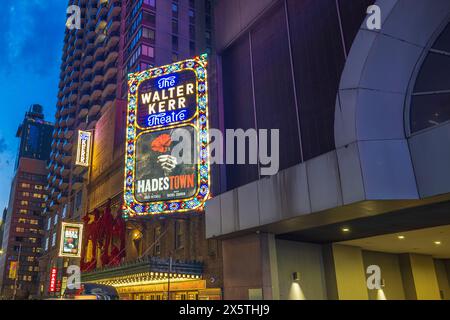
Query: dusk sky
[{"x": 32, "y": 33}]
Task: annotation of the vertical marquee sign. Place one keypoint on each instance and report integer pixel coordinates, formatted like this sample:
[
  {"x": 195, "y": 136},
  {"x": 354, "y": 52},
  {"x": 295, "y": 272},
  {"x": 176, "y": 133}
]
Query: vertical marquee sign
[
  {"x": 165, "y": 104},
  {"x": 53, "y": 276},
  {"x": 84, "y": 148}
]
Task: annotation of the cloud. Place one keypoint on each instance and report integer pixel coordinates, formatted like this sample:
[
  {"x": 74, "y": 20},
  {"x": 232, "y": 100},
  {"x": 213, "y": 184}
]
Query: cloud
[
  {"x": 30, "y": 28},
  {"x": 3, "y": 145}
]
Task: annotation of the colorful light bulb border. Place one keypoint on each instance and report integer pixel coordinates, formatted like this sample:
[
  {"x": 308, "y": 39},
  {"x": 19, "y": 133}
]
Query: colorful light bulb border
[{"x": 131, "y": 206}]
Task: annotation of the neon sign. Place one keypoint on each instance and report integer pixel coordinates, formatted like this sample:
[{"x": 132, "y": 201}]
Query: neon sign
[
  {"x": 53, "y": 274},
  {"x": 167, "y": 82},
  {"x": 162, "y": 102},
  {"x": 166, "y": 118},
  {"x": 71, "y": 239},
  {"x": 84, "y": 148}
]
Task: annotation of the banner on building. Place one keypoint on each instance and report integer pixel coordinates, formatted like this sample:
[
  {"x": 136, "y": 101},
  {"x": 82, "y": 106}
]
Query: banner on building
[
  {"x": 71, "y": 240},
  {"x": 53, "y": 276},
  {"x": 13, "y": 269},
  {"x": 167, "y": 156},
  {"x": 84, "y": 148}
]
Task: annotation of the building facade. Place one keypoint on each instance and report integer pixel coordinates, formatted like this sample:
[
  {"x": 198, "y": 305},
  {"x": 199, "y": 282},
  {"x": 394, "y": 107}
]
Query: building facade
[
  {"x": 23, "y": 223},
  {"x": 117, "y": 38},
  {"x": 2, "y": 228},
  {"x": 363, "y": 119}
]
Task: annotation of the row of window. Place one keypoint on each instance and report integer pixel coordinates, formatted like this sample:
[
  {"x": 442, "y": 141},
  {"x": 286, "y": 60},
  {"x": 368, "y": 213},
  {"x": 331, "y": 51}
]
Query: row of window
[
  {"x": 145, "y": 33},
  {"x": 23, "y": 230},
  {"x": 34, "y": 195},
  {"x": 47, "y": 240},
  {"x": 28, "y": 186},
  {"x": 26, "y": 203},
  {"x": 28, "y": 221},
  {"x": 144, "y": 50}
]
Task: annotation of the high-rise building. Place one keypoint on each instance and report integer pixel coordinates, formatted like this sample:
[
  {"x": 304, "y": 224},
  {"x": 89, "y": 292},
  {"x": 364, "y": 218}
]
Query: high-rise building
[
  {"x": 23, "y": 226},
  {"x": 34, "y": 135},
  {"x": 2, "y": 228},
  {"x": 116, "y": 38}
]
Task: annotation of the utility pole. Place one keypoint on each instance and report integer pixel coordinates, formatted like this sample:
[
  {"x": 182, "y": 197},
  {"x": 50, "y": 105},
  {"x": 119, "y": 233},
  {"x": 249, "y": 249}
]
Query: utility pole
[{"x": 17, "y": 273}]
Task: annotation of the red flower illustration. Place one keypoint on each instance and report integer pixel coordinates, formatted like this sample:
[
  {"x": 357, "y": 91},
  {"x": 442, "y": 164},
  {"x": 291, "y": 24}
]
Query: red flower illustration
[{"x": 162, "y": 143}]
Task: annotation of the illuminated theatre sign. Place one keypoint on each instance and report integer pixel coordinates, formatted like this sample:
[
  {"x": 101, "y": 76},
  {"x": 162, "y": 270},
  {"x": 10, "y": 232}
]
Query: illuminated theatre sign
[
  {"x": 71, "y": 239},
  {"x": 83, "y": 148},
  {"x": 165, "y": 104}
]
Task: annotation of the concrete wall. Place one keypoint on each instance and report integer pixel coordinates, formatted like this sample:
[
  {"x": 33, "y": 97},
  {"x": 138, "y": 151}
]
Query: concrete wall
[
  {"x": 390, "y": 272},
  {"x": 300, "y": 190},
  {"x": 242, "y": 268},
  {"x": 443, "y": 277},
  {"x": 350, "y": 273},
  {"x": 306, "y": 259},
  {"x": 419, "y": 277}
]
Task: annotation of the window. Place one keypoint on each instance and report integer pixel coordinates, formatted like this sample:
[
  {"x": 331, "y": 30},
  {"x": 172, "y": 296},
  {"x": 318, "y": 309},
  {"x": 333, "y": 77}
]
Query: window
[
  {"x": 37, "y": 196},
  {"x": 238, "y": 100},
  {"x": 157, "y": 241},
  {"x": 175, "y": 26},
  {"x": 316, "y": 82},
  {"x": 23, "y": 211},
  {"x": 150, "y": 3},
  {"x": 38, "y": 187},
  {"x": 192, "y": 31},
  {"x": 149, "y": 18},
  {"x": 134, "y": 57},
  {"x": 148, "y": 34},
  {"x": 430, "y": 100},
  {"x": 175, "y": 10},
  {"x": 175, "y": 43},
  {"x": 148, "y": 51},
  {"x": 25, "y": 185},
  {"x": 191, "y": 16},
  {"x": 179, "y": 234},
  {"x": 46, "y": 244},
  {"x": 54, "y": 239},
  {"x": 24, "y": 203},
  {"x": 20, "y": 230},
  {"x": 64, "y": 211},
  {"x": 55, "y": 222}
]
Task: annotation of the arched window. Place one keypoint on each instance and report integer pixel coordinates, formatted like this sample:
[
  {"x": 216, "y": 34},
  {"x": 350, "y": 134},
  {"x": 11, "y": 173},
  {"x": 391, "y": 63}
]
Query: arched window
[{"x": 430, "y": 100}]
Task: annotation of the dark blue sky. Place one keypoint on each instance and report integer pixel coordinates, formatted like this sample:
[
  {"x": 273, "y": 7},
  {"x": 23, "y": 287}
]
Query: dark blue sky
[{"x": 31, "y": 37}]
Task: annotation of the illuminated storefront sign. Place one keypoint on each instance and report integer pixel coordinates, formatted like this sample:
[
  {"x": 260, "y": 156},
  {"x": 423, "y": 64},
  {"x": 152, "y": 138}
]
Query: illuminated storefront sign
[
  {"x": 165, "y": 104},
  {"x": 13, "y": 270},
  {"x": 53, "y": 274},
  {"x": 84, "y": 148},
  {"x": 71, "y": 239}
]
